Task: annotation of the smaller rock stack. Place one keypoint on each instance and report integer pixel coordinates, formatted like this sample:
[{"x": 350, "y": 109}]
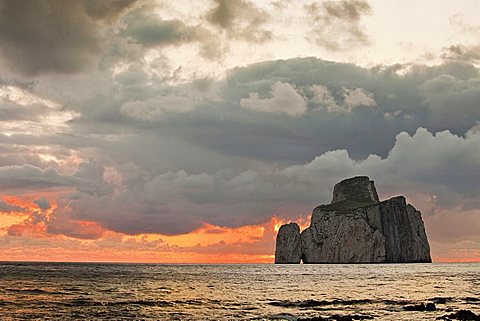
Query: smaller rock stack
[{"x": 289, "y": 244}]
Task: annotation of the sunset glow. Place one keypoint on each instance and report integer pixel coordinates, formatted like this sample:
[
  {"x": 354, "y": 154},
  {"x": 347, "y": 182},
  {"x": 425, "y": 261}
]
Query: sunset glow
[
  {"x": 208, "y": 244},
  {"x": 89, "y": 241}
]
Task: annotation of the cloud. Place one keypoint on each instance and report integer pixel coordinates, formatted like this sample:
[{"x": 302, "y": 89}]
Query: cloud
[
  {"x": 323, "y": 97},
  {"x": 355, "y": 97},
  {"x": 461, "y": 23},
  {"x": 43, "y": 203},
  {"x": 152, "y": 31},
  {"x": 284, "y": 99},
  {"x": 419, "y": 166},
  {"x": 157, "y": 108},
  {"x": 107, "y": 9},
  {"x": 228, "y": 161},
  {"x": 6, "y": 207},
  {"x": 48, "y": 36},
  {"x": 147, "y": 28},
  {"x": 12, "y": 112},
  {"x": 138, "y": 116},
  {"x": 462, "y": 53},
  {"x": 148, "y": 118},
  {"x": 247, "y": 244},
  {"x": 451, "y": 101},
  {"x": 88, "y": 179},
  {"x": 42, "y": 217},
  {"x": 30, "y": 178},
  {"x": 76, "y": 229},
  {"x": 352, "y": 98},
  {"x": 336, "y": 24},
  {"x": 22, "y": 112},
  {"x": 241, "y": 19}
]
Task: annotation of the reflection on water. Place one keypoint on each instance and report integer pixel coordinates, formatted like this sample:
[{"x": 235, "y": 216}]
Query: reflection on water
[{"x": 233, "y": 292}]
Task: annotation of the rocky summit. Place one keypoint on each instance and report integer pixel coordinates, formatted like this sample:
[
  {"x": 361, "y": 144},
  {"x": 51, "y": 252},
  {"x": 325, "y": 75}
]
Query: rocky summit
[{"x": 356, "y": 228}]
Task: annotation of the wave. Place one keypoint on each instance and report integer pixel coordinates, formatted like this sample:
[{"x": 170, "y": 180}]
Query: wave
[
  {"x": 319, "y": 303},
  {"x": 90, "y": 302},
  {"x": 35, "y": 291}
]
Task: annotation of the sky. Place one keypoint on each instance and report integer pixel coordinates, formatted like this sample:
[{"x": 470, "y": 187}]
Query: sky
[{"x": 188, "y": 132}]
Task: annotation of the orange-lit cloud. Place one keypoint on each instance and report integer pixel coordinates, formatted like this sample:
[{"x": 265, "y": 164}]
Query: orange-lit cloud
[
  {"x": 210, "y": 244},
  {"x": 33, "y": 233},
  {"x": 210, "y": 234},
  {"x": 303, "y": 222},
  {"x": 29, "y": 215}
]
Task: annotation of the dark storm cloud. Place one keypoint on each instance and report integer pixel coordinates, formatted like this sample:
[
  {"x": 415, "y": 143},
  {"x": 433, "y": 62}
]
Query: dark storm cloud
[
  {"x": 91, "y": 181},
  {"x": 106, "y": 9},
  {"x": 247, "y": 116},
  {"x": 43, "y": 203},
  {"x": 453, "y": 102},
  {"x": 88, "y": 179},
  {"x": 241, "y": 19},
  {"x": 340, "y": 106},
  {"x": 336, "y": 24},
  {"x": 28, "y": 177},
  {"x": 152, "y": 31},
  {"x": 54, "y": 36},
  {"x": 418, "y": 166},
  {"x": 346, "y": 106},
  {"x": 144, "y": 27}
]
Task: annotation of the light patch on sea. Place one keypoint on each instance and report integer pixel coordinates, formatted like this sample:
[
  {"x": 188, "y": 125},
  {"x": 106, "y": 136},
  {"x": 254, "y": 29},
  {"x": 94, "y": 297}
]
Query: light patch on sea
[{"x": 72, "y": 291}]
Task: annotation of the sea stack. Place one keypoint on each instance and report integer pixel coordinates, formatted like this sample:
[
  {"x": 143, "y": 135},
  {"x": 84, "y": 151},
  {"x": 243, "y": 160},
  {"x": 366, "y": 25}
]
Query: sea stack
[
  {"x": 356, "y": 228},
  {"x": 288, "y": 247}
]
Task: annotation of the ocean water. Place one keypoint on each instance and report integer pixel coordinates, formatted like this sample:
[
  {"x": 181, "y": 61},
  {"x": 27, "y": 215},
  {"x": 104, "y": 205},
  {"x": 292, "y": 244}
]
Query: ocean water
[{"x": 72, "y": 291}]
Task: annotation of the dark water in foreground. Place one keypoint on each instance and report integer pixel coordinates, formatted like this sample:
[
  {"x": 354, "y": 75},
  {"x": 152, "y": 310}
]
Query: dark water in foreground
[{"x": 66, "y": 291}]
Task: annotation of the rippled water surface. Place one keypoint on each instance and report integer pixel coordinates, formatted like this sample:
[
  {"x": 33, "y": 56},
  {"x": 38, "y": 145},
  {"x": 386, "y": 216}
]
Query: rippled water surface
[{"x": 69, "y": 291}]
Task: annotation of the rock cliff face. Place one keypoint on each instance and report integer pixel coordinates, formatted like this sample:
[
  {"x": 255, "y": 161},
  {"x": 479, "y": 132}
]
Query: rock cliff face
[
  {"x": 289, "y": 245},
  {"x": 356, "y": 228}
]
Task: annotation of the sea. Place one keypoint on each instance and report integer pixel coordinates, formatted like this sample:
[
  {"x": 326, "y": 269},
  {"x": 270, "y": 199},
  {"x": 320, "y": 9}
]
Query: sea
[{"x": 86, "y": 291}]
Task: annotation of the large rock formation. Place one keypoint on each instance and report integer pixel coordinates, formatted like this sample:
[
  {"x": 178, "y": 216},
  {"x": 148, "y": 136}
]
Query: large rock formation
[{"x": 356, "y": 228}]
